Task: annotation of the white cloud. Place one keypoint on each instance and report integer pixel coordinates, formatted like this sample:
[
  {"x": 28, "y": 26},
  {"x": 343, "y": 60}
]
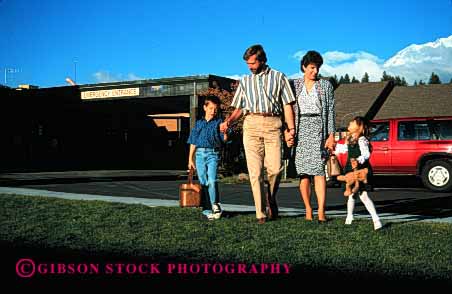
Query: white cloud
[
  {"x": 133, "y": 77},
  {"x": 354, "y": 64},
  {"x": 336, "y": 56},
  {"x": 415, "y": 62},
  {"x": 104, "y": 77},
  {"x": 419, "y": 61},
  {"x": 107, "y": 77},
  {"x": 298, "y": 55},
  {"x": 236, "y": 77},
  {"x": 355, "y": 68}
]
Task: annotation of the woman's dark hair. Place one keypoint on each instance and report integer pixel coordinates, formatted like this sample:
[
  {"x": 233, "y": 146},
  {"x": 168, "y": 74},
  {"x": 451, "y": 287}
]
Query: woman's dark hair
[
  {"x": 311, "y": 57},
  {"x": 213, "y": 99},
  {"x": 258, "y": 50}
]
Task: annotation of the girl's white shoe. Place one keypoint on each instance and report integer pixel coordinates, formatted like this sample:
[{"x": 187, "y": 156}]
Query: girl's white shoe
[
  {"x": 348, "y": 220},
  {"x": 377, "y": 225}
]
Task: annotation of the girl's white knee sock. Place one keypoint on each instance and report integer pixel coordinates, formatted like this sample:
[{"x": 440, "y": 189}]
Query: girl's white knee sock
[
  {"x": 350, "y": 208},
  {"x": 371, "y": 209}
]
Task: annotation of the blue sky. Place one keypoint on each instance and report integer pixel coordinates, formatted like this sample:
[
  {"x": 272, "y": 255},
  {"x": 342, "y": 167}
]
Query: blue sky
[{"x": 122, "y": 40}]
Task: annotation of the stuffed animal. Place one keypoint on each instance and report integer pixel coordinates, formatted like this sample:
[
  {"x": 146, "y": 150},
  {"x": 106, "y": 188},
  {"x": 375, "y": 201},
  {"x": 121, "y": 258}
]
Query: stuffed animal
[{"x": 352, "y": 180}]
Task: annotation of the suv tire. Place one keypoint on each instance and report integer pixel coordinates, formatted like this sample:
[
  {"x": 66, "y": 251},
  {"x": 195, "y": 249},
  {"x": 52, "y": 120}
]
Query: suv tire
[{"x": 437, "y": 175}]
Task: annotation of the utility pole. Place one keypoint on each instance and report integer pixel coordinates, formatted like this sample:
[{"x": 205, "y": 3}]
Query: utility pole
[{"x": 75, "y": 70}]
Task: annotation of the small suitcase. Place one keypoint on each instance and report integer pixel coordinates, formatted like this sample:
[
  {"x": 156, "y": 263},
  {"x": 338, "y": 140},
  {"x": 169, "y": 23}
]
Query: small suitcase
[{"x": 190, "y": 193}]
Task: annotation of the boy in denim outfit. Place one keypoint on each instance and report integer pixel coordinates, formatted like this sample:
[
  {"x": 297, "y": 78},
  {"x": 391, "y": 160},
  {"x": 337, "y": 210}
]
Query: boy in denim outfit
[{"x": 205, "y": 142}]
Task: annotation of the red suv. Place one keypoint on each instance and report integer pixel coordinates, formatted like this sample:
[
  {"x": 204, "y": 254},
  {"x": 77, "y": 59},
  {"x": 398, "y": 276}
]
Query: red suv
[{"x": 413, "y": 146}]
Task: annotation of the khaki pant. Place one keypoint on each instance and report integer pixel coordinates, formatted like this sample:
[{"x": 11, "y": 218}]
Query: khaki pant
[{"x": 262, "y": 142}]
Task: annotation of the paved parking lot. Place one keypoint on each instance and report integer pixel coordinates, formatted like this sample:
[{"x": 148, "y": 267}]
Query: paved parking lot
[{"x": 394, "y": 195}]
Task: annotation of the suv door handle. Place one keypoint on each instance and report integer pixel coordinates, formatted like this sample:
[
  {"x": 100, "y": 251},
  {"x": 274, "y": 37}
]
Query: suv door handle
[{"x": 384, "y": 148}]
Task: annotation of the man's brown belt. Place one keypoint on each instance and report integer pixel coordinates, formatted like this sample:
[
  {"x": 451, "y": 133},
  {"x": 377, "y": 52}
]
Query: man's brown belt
[{"x": 265, "y": 114}]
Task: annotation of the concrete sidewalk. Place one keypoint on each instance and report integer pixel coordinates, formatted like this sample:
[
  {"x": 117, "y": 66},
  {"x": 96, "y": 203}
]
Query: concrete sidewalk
[
  {"x": 17, "y": 177},
  {"x": 386, "y": 217}
]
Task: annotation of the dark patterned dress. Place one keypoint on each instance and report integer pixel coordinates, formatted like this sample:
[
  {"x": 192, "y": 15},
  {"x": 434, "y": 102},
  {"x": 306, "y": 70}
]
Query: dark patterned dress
[{"x": 314, "y": 118}]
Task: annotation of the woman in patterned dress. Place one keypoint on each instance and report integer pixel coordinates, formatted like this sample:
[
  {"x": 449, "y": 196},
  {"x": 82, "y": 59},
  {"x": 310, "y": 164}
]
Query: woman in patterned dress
[{"x": 315, "y": 126}]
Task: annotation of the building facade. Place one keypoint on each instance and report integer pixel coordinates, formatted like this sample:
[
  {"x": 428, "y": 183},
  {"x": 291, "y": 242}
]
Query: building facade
[{"x": 135, "y": 124}]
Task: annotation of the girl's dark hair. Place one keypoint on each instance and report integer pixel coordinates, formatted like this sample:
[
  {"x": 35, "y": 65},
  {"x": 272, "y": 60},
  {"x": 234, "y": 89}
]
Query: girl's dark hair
[
  {"x": 311, "y": 57},
  {"x": 213, "y": 99},
  {"x": 364, "y": 122},
  {"x": 258, "y": 50}
]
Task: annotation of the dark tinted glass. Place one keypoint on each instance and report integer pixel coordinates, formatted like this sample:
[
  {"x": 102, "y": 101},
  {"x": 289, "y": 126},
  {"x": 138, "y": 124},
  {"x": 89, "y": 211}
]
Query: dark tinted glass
[{"x": 379, "y": 131}]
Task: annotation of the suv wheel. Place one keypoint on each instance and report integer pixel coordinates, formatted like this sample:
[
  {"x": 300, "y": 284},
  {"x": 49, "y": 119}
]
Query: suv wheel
[{"x": 437, "y": 175}]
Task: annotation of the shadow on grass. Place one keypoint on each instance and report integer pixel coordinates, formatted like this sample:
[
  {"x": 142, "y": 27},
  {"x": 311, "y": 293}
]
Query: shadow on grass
[
  {"x": 117, "y": 269},
  {"x": 418, "y": 209}
]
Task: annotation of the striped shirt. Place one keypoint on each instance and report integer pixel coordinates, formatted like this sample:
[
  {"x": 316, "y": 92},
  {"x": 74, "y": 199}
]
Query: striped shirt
[{"x": 267, "y": 91}]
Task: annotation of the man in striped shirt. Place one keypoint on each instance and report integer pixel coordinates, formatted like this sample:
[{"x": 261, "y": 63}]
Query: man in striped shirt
[{"x": 263, "y": 97}]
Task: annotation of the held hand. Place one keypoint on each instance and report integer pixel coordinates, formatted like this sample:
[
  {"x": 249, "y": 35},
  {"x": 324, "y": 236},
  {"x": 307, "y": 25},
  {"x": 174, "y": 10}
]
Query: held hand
[
  {"x": 223, "y": 127},
  {"x": 330, "y": 144},
  {"x": 191, "y": 165},
  {"x": 290, "y": 142},
  {"x": 289, "y": 137},
  {"x": 354, "y": 163}
]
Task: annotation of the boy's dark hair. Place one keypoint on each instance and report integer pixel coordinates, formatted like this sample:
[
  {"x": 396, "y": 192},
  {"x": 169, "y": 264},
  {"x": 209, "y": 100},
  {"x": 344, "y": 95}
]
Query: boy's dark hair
[
  {"x": 258, "y": 50},
  {"x": 213, "y": 99},
  {"x": 311, "y": 57}
]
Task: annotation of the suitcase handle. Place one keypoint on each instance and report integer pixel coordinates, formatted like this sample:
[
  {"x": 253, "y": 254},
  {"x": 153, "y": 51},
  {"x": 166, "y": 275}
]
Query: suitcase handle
[{"x": 190, "y": 176}]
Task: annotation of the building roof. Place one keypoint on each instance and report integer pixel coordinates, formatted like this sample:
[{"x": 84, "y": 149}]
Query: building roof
[
  {"x": 357, "y": 99},
  {"x": 418, "y": 101},
  {"x": 159, "y": 81}
]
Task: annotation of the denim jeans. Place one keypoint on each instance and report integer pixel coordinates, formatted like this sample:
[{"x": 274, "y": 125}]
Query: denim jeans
[{"x": 206, "y": 166}]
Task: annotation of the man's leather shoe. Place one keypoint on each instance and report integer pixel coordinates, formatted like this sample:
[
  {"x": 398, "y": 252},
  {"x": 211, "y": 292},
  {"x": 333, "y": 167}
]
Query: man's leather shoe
[{"x": 261, "y": 220}]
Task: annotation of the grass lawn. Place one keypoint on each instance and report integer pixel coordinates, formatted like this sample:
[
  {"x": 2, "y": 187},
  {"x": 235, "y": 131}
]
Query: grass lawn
[{"x": 402, "y": 251}]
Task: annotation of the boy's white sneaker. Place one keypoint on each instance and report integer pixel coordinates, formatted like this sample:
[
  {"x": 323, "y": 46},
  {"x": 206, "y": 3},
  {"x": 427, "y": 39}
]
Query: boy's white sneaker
[
  {"x": 348, "y": 220},
  {"x": 216, "y": 211},
  {"x": 377, "y": 225}
]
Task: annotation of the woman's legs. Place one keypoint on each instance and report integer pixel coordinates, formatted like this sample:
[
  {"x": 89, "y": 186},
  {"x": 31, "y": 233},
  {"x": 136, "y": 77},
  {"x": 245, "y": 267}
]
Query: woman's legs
[
  {"x": 305, "y": 191},
  {"x": 320, "y": 191}
]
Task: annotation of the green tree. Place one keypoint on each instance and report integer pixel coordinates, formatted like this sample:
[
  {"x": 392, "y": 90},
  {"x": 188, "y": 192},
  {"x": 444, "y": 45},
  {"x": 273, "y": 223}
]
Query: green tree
[
  {"x": 404, "y": 83},
  {"x": 333, "y": 80},
  {"x": 421, "y": 82},
  {"x": 346, "y": 79},
  {"x": 354, "y": 80},
  {"x": 365, "y": 78},
  {"x": 398, "y": 81},
  {"x": 415, "y": 83},
  {"x": 434, "y": 79},
  {"x": 386, "y": 77}
]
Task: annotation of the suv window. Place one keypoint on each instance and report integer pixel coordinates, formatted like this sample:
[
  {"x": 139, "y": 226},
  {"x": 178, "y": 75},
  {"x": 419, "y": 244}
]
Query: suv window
[
  {"x": 414, "y": 130},
  {"x": 379, "y": 131},
  {"x": 442, "y": 129}
]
